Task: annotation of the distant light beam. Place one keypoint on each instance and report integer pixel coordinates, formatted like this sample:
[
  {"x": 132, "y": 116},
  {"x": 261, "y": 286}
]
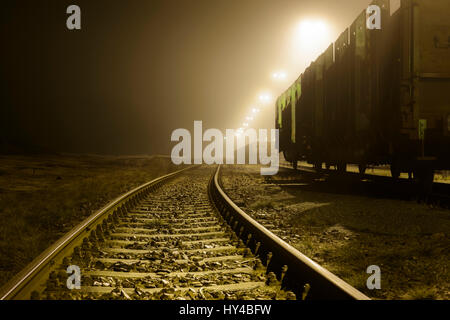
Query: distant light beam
[
  {"x": 312, "y": 37},
  {"x": 265, "y": 98},
  {"x": 279, "y": 76}
]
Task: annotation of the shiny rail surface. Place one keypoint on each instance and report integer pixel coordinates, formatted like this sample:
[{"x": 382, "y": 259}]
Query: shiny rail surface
[
  {"x": 176, "y": 237},
  {"x": 161, "y": 241},
  {"x": 30, "y": 279},
  {"x": 299, "y": 273}
]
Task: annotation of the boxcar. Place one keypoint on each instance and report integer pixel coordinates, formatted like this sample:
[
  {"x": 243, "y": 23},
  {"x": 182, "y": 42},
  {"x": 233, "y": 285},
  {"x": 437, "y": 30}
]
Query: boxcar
[{"x": 376, "y": 97}]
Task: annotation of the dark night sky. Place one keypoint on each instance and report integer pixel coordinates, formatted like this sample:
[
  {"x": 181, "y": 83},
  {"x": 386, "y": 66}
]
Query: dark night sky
[{"x": 140, "y": 69}]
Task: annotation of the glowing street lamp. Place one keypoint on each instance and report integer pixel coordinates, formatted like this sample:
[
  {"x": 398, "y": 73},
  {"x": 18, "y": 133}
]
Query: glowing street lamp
[
  {"x": 264, "y": 98},
  {"x": 279, "y": 75},
  {"x": 312, "y": 37}
]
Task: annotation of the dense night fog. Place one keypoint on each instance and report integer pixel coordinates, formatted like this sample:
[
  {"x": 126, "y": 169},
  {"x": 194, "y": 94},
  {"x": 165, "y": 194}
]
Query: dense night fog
[{"x": 137, "y": 70}]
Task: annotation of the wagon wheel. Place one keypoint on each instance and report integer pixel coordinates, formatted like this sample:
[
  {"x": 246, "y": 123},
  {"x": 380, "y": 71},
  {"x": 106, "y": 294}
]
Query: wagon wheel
[
  {"x": 395, "y": 171},
  {"x": 341, "y": 167},
  {"x": 362, "y": 169},
  {"x": 318, "y": 166},
  {"x": 425, "y": 178}
]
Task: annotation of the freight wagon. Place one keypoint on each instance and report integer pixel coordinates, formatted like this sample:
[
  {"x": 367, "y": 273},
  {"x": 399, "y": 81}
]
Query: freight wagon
[{"x": 376, "y": 97}]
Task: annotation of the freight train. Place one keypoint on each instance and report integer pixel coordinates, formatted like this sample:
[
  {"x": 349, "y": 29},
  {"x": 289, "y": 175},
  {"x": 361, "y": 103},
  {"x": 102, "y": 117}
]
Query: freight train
[{"x": 376, "y": 96}]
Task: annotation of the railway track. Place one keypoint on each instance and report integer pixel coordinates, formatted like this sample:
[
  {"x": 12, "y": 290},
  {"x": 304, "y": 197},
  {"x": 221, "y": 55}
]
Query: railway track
[
  {"x": 386, "y": 185},
  {"x": 177, "y": 237}
]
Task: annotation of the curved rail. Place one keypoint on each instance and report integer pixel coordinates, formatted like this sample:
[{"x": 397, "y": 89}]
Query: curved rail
[
  {"x": 303, "y": 276},
  {"x": 31, "y": 277},
  {"x": 296, "y": 271}
]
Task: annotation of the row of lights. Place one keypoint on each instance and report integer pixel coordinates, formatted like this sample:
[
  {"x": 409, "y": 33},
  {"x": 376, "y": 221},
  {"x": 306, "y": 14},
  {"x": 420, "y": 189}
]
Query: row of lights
[
  {"x": 265, "y": 99},
  {"x": 311, "y": 37}
]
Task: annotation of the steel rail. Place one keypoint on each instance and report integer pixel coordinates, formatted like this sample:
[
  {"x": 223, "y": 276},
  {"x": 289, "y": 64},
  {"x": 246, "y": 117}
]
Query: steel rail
[
  {"x": 440, "y": 194},
  {"x": 303, "y": 276},
  {"x": 373, "y": 176},
  {"x": 32, "y": 276},
  {"x": 301, "y": 270}
]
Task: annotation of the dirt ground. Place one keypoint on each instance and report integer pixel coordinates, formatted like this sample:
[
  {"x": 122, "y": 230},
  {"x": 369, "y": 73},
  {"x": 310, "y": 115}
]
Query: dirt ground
[
  {"x": 346, "y": 233},
  {"x": 43, "y": 197}
]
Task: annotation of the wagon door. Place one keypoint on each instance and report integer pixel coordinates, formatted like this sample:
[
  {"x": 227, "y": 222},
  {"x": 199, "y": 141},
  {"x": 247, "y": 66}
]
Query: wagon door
[{"x": 426, "y": 61}]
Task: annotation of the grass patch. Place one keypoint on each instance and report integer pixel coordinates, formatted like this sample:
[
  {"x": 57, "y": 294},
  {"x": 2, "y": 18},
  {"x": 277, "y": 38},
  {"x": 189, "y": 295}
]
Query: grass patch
[
  {"x": 43, "y": 197},
  {"x": 346, "y": 233},
  {"x": 422, "y": 293}
]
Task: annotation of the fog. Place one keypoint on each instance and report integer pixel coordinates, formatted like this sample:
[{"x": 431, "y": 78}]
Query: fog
[{"x": 137, "y": 70}]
